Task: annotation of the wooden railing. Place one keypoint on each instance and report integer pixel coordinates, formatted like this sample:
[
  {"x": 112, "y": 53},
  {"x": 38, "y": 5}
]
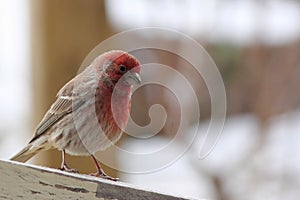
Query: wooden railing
[{"x": 25, "y": 181}]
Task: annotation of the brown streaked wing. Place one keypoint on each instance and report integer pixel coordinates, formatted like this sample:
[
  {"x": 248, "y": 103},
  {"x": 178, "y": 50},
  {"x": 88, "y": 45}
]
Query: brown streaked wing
[{"x": 62, "y": 106}]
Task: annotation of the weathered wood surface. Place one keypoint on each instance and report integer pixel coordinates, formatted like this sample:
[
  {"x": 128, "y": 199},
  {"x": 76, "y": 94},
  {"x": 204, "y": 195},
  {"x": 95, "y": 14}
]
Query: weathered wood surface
[{"x": 24, "y": 181}]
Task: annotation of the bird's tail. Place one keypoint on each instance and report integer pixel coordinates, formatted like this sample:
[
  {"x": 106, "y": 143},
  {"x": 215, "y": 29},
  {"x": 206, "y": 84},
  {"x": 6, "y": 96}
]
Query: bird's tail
[{"x": 26, "y": 153}]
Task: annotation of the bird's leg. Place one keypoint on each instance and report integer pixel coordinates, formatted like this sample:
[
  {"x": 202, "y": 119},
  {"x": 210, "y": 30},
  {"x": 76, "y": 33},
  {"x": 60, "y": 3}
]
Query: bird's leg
[
  {"x": 100, "y": 173},
  {"x": 64, "y": 166}
]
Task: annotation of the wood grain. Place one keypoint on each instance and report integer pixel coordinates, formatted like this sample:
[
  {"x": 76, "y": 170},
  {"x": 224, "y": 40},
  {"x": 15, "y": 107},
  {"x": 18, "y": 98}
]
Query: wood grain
[{"x": 24, "y": 181}]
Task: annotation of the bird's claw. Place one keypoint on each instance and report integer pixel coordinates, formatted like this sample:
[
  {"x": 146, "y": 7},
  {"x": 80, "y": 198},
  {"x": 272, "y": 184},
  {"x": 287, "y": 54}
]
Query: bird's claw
[
  {"x": 68, "y": 169},
  {"x": 104, "y": 176}
]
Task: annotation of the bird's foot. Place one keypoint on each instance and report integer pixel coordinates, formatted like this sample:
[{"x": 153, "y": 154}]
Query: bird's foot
[
  {"x": 68, "y": 169},
  {"x": 103, "y": 175}
]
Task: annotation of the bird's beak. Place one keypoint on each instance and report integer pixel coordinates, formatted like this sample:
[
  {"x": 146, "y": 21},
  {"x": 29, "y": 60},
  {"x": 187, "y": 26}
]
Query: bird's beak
[{"x": 133, "y": 78}]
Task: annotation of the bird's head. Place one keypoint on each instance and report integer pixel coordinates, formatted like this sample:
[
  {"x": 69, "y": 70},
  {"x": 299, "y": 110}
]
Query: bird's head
[{"x": 121, "y": 66}]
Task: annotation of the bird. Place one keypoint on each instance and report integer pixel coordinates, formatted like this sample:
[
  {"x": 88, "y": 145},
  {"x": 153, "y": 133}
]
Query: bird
[{"x": 90, "y": 111}]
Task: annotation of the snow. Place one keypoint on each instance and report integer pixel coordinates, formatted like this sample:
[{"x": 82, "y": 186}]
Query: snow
[
  {"x": 272, "y": 22},
  {"x": 14, "y": 75},
  {"x": 248, "y": 166}
]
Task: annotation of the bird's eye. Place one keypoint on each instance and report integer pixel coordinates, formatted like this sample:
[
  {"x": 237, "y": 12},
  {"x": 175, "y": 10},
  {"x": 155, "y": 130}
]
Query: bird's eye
[{"x": 122, "y": 68}]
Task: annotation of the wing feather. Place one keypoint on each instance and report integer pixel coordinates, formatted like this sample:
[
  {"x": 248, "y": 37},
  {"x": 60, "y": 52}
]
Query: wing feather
[
  {"x": 69, "y": 98},
  {"x": 62, "y": 106}
]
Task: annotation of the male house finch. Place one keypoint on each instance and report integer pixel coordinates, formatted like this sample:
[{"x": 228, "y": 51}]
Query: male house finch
[{"x": 101, "y": 91}]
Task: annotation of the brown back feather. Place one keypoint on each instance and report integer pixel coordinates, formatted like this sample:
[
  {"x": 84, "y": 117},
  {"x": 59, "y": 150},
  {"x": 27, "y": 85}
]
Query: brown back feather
[{"x": 62, "y": 106}]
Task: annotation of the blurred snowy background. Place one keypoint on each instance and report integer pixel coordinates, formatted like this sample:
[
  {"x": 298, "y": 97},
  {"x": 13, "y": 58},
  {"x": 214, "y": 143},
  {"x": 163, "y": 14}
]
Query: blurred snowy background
[
  {"x": 256, "y": 46},
  {"x": 15, "y": 101}
]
